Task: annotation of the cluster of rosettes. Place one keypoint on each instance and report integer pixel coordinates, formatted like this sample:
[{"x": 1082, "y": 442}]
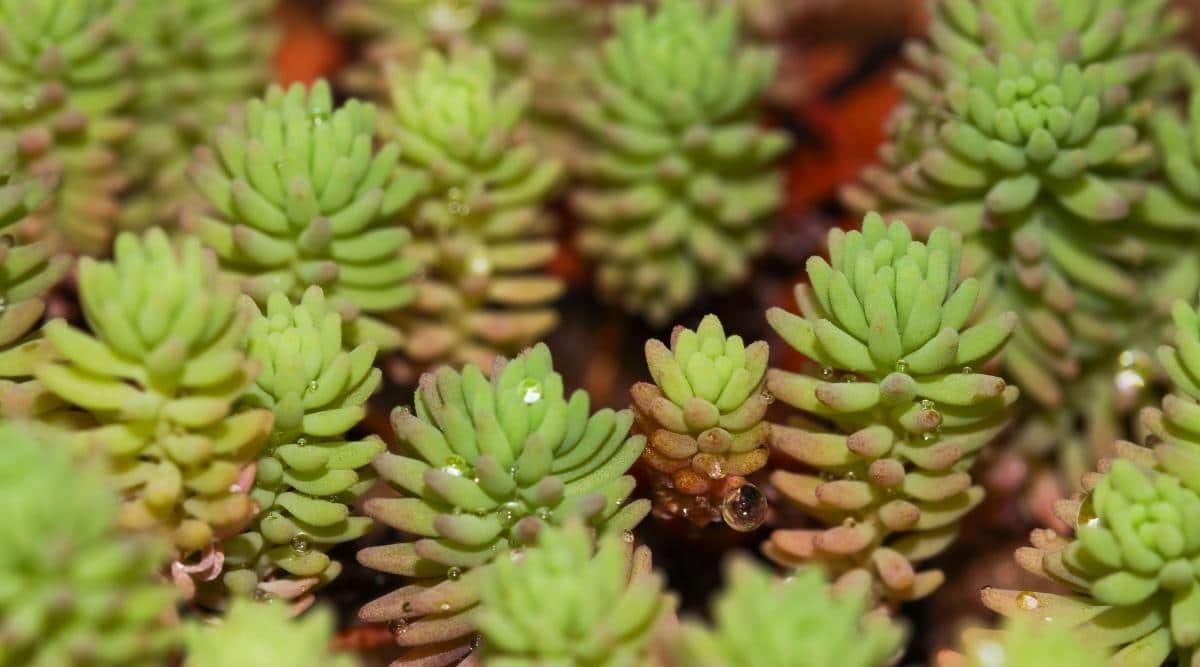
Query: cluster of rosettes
[
  {"x": 678, "y": 183},
  {"x": 703, "y": 419},
  {"x": 301, "y": 197},
  {"x": 569, "y": 601},
  {"x": 1025, "y": 643},
  {"x": 195, "y": 59},
  {"x": 64, "y": 77},
  {"x": 27, "y": 272},
  {"x": 761, "y": 621},
  {"x": 252, "y": 635},
  {"x": 310, "y": 472},
  {"x": 904, "y": 412},
  {"x": 160, "y": 376},
  {"x": 531, "y": 39},
  {"x": 486, "y": 465},
  {"x": 75, "y": 591},
  {"x": 473, "y": 196}
]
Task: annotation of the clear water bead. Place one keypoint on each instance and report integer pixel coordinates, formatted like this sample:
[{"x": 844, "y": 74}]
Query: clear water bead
[
  {"x": 531, "y": 391},
  {"x": 300, "y": 543},
  {"x": 744, "y": 508}
]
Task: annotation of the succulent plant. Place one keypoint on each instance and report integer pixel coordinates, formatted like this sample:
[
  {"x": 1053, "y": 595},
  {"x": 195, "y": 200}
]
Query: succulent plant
[
  {"x": 160, "y": 374},
  {"x": 486, "y": 465},
  {"x": 763, "y": 622},
  {"x": 310, "y": 471},
  {"x": 66, "y": 84},
  {"x": 195, "y": 59},
  {"x": 703, "y": 418},
  {"x": 27, "y": 272},
  {"x": 252, "y": 635},
  {"x": 899, "y": 412},
  {"x": 678, "y": 183},
  {"x": 475, "y": 195},
  {"x": 74, "y": 591},
  {"x": 300, "y": 197},
  {"x": 1025, "y": 643},
  {"x": 531, "y": 39},
  {"x": 568, "y": 601}
]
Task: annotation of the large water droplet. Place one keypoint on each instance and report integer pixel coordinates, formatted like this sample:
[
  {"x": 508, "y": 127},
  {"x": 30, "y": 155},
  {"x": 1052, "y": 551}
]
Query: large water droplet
[
  {"x": 1027, "y": 601},
  {"x": 744, "y": 508},
  {"x": 531, "y": 390},
  {"x": 455, "y": 465},
  {"x": 453, "y": 573},
  {"x": 300, "y": 544},
  {"x": 902, "y": 366},
  {"x": 397, "y": 626}
]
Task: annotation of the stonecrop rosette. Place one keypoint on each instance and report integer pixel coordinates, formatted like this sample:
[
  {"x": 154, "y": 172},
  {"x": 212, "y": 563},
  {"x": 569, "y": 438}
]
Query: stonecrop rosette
[
  {"x": 679, "y": 183},
  {"x": 27, "y": 272},
  {"x": 900, "y": 412},
  {"x": 571, "y": 600},
  {"x": 300, "y": 197},
  {"x": 310, "y": 472},
  {"x": 761, "y": 621},
  {"x": 195, "y": 59},
  {"x": 74, "y": 590},
  {"x": 253, "y": 635},
  {"x": 160, "y": 374},
  {"x": 475, "y": 197},
  {"x": 1025, "y": 642},
  {"x": 487, "y": 464},
  {"x": 531, "y": 39},
  {"x": 65, "y": 86},
  {"x": 703, "y": 417}
]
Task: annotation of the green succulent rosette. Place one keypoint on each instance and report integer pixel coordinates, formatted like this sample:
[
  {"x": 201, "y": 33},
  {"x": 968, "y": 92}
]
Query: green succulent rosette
[
  {"x": 703, "y": 417},
  {"x": 531, "y": 39},
  {"x": 570, "y": 601},
  {"x": 475, "y": 200},
  {"x": 160, "y": 374},
  {"x": 74, "y": 590},
  {"x": 252, "y": 635},
  {"x": 195, "y": 59},
  {"x": 485, "y": 465},
  {"x": 310, "y": 472},
  {"x": 300, "y": 196},
  {"x": 27, "y": 272},
  {"x": 898, "y": 414},
  {"x": 1025, "y": 642},
  {"x": 761, "y": 621},
  {"x": 65, "y": 87},
  {"x": 678, "y": 185}
]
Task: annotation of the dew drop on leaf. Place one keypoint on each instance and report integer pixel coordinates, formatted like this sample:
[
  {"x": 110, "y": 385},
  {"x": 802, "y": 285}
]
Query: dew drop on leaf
[
  {"x": 744, "y": 508},
  {"x": 300, "y": 543},
  {"x": 531, "y": 391}
]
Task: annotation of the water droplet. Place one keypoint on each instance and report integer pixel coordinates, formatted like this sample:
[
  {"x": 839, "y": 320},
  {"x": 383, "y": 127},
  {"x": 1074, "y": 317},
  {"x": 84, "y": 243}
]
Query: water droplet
[
  {"x": 744, "y": 508},
  {"x": 827, "y": 373},
  {"x": 453, "y": 573},
  {"x": 302, "y": 441},
  {"x": 445, "y": 606},
  {"x": 397, "y": 626},
  {"x": 927, "y": 404},
  {"x": 261, "y": 595},
  {"x": 544, "y": 514},
  {"x": 902, "y": 366},
  {"x": 929, "y": 436},
  {"x": 455, "y": 465},
  {"x": 967, "y": 370},
  {"x": 300, "y": 544},
  {"x": 312, "y": 386},
  {"x": 768, "y": 397},
  {"x": 1027, "y": 601},
  {"x": 627, "y": 536},
  {"x": 531, "y": 390}
]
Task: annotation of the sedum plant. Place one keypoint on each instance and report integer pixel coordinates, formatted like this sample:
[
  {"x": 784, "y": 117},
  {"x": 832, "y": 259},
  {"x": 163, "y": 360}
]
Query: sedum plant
[
  {"x": 65, "y": 88},
  {"x": 531, "y": 39},
  {"x": 299, "y": 196},
  {"x": 475, "y": 195},
  {"x": 898, "y": 414},
  {"x": 485, "y": 465},
  {"x": 1025, "y": 643},
  {"x": 195, "y": 59},
  {"x": 310, "y": 471},
  {"x": 568, "y": 601},
  {"x": 27, "y": 272},
  {"x": 678, "y": 184},
  {"x": 760, "y": 621},
  {"x": 160, "y": 375},
  {"x": 74, "y": 591},
  {"x": 1131, "y": 560},
  {"x": 703, "y": 417},
  {"x": 252, "y": 635}
]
